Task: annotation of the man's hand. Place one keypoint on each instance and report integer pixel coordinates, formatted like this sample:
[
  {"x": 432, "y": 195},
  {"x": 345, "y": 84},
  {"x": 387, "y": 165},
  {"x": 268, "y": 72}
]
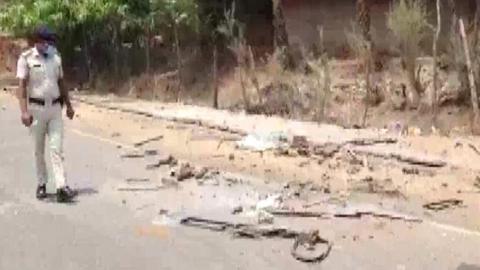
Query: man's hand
[
  {"x": 27, "y": 119},
  {"x": 70, "y": 112}
]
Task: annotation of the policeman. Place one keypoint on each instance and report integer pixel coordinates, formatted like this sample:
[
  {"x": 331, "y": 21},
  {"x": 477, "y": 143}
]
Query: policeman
[{"x": 42, "y": 95}]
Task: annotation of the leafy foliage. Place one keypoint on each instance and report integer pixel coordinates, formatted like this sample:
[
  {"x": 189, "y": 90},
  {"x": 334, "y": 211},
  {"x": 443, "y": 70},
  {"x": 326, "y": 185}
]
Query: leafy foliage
[
  {"x": 102, "y": 25},
  {"x": 407, "y": 20}
]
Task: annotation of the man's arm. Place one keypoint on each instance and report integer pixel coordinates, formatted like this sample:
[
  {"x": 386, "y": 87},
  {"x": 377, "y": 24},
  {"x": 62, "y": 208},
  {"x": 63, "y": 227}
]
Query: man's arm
[
  {"x": 22, "y": 96},
  {"x": 64, "y": 93}
]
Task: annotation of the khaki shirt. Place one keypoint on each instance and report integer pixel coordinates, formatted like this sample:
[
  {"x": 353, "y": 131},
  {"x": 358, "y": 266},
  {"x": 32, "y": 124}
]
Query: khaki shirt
[{"x": 42, "y": 73}]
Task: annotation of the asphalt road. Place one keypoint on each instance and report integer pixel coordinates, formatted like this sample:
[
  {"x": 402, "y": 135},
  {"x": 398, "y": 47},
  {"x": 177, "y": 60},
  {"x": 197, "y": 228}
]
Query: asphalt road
[{"x": 100, "y": 232}]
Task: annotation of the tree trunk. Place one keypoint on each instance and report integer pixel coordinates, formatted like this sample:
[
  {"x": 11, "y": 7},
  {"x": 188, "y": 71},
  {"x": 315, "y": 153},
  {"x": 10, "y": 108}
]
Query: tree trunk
[
  {"x": 215, "y": 78},
  {"x": 476, "y": 21},
  {"x": 246, "y": 100},
  {"x": 326, "y": 75},
  {"x": 461, "y": 67},
  {"x": 179, "y": 61},
  {"x": 252, "y": 69},
  {"x": 435, "y": 54},
  {"x": 88, "y": 59},
  {"x": 414, "y": 85},
  {"x": 116, "y": 62},
  {"x": 148, "y": 37},
  {"x": 280, "y": 29},
  {"x": 363, "y": 18},
  {"x": 471, "y": 77},
  {"x": 368, "y": 90},
  {"x": 280, "y": 36}
]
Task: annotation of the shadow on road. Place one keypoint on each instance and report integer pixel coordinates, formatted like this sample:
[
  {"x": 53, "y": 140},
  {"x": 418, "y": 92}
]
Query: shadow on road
[
  {"x": 86, "y": 191},
  {"x": 464, "y": 266},
  {"x": 52, "y": 197}
]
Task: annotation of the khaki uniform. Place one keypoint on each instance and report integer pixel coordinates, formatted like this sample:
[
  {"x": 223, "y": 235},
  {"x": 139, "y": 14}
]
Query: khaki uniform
[{"x": 42, "y": 75}]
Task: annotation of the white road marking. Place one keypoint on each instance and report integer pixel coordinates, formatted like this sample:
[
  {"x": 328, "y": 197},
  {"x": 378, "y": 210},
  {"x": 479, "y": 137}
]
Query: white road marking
[
  {"x": 102, "y": 139},
  {"x": 454, "y": 229}
]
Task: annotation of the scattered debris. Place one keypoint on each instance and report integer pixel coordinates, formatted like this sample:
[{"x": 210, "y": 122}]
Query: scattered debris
[
  {"x": 312, "y": 239},
  {"x": 151, "y": 152},
  {"x": 201, "y": 173},
  {"x": 271, "y": 202},
  {"x": 459, "y": 143},
  {"x": 373, "y": 186},
  {"x": 299, "y": 142},
  {"x": 347, "y": 212},
  {"x": 308, "y": 241},
  {"x": 264, "y": 217},
  {"x": 326, "y": 150},
  {"x": 144, "y": 142},
  {"x": 168, "y": 160},
  {"x": 237, "y": 210},
  {"x": 411, "y": 171},
  {"x": 474, "y": 148},
  {"x": 443, "y": 204},
  {"x": 115, "y": 134},
  {"x": 137, "y": 180},
  {"x": 231, "y": 157},
  {"x": 257, "y": 142},
  {"x": 168, "y": 219},
  {"x": 232, "y": 180},
  {"x": 184, "y": 172},
  {"x": 134, "y": 154},
  {"x": 303, "y": 164},
  {"x": 402, "y": 157},
  {"x": 477, "y": 182},
  {"x": 169, "y": 182}
]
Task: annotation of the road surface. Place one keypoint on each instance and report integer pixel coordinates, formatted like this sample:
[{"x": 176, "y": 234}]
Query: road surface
[{"x": 101, "y": 231}]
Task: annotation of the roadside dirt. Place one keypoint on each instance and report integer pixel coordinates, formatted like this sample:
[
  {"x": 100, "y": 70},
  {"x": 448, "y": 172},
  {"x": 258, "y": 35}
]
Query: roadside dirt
[
  {"x": 342, "y": 176},
  {"x": 343, "y": 180}
]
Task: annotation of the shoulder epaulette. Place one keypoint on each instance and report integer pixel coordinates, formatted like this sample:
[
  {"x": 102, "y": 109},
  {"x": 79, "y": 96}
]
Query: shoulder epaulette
[{"x": 27, "y": 53}]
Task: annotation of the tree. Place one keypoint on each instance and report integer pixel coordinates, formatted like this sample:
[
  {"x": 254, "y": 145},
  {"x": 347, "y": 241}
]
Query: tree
[
  {"x": 77, "y": 23},
  {"x": 176, "y": 14},
  {"x": 363, "y": 18},
  {"x": 435, "y": 53},
  {"x": 407, "y": 19}
]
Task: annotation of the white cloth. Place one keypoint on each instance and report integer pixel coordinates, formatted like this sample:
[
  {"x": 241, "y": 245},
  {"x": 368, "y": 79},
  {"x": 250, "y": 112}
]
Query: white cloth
[{"x": 41, "y": 72}]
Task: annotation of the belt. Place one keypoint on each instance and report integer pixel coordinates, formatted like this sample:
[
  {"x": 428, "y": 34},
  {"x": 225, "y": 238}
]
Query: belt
[{"x": 40, "y": 101}]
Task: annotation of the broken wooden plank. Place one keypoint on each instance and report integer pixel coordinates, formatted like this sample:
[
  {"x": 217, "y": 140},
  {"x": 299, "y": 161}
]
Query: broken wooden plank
[
  {"x": 402, "y": 157},
  {"x": 144, "y": 142}
]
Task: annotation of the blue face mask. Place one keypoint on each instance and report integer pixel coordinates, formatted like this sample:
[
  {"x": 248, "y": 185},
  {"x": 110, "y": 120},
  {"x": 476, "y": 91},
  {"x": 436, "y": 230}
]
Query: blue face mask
[{"x": 51, "y": 50}]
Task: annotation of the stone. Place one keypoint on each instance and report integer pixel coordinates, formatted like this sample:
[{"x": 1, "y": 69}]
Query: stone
[
  {"x": 201, "y": 173},
  {"x": 237, "y": 210},
  {"x": 184, "y": 172}
]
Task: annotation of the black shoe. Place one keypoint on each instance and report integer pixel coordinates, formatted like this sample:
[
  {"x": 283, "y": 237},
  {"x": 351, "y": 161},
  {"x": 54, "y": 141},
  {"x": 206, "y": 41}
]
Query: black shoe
[
  {"x": 65, "y": 195},
  {"x": 41, "y": 192}
]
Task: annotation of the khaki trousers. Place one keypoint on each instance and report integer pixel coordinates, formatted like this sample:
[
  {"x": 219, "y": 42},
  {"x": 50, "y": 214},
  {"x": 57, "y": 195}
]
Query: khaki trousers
[{"x": 48, "y": 124}]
